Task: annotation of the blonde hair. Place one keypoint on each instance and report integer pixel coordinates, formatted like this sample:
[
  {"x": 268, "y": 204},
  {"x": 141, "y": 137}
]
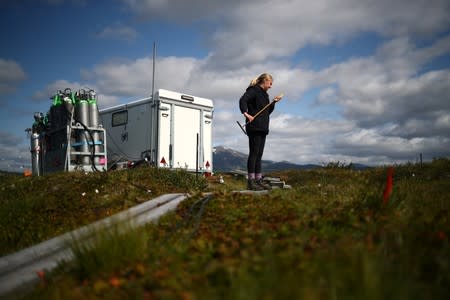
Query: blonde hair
[{"x": 260, "y": 79}]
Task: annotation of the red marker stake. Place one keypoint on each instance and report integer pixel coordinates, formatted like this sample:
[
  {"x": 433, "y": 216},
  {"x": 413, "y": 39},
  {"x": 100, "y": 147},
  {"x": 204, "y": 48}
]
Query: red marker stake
[{"x": 389, "y": 185}]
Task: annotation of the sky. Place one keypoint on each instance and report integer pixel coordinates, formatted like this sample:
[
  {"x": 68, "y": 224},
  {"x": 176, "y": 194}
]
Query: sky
[{"x": 365, "y": 81}]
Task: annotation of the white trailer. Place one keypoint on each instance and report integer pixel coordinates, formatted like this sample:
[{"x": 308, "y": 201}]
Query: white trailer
[{"x": 172, "y": 130}]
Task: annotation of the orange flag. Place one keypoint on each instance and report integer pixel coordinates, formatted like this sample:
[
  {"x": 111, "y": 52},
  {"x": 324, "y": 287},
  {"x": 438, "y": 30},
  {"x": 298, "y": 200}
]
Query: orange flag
[{"x": 389, "y": 185}]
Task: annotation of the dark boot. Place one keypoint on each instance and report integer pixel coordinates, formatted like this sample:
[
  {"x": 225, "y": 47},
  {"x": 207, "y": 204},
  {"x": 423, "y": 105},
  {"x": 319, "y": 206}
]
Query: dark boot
[
  {"x": 263, "y": 184},
  {"x": 253, "y": 186}
]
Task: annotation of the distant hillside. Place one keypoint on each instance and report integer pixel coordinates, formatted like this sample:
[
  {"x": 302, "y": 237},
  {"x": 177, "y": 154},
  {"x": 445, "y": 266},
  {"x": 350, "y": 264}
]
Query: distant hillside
[
  {"x": 226, "y": 160},
  {"x": 7, "y": 173}
]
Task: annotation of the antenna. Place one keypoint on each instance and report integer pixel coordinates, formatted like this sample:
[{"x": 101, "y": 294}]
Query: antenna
[
  {"x": 153, "y": 76},
  {"x": 155, "y": 115}
]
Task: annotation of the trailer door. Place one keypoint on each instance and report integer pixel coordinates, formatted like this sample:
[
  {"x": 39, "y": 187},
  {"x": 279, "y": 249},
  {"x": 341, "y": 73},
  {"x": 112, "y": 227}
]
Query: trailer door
[
  {"x": 164, "y": 135},
  {"x": 186, "y": 129},
  {"x": 207, "y": 141}
]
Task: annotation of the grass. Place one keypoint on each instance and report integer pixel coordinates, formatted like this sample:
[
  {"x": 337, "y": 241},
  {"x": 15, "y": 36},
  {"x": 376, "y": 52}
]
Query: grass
[
  {"x": 33, "y": 209},
  {"x": 109, "y": 250},
  {"x": 329, "y": 237}
]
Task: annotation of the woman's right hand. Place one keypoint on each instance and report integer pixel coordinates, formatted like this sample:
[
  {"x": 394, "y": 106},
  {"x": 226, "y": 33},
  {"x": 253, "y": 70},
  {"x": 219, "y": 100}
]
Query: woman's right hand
[{"x": 250, "y": 118}]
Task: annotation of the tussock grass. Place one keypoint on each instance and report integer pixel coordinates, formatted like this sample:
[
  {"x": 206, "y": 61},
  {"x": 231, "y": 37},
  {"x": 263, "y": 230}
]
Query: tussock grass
[
  {"x": 108, "y": 250},
  {"x": 33, "y": 209}
]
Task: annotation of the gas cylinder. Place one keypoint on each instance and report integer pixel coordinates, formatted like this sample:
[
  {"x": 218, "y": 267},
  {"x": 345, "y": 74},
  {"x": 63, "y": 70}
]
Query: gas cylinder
[
  {"x": 35, "y": 145},
  {"x": 93, "y": 122},
  {"x": 68, "y": 101},
  {"x": 82, "y": 116}
]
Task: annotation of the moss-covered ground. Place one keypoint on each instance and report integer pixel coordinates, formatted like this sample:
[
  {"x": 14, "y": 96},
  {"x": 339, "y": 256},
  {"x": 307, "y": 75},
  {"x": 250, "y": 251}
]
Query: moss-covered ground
[{"x": 331, "y": 236}]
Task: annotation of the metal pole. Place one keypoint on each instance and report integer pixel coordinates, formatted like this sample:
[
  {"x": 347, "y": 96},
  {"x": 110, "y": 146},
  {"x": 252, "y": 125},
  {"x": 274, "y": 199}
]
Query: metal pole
[
  {"x": 196, "y": 160},
  {"x": 153, "y": 75},
  {"x": 154, "y": 114}
]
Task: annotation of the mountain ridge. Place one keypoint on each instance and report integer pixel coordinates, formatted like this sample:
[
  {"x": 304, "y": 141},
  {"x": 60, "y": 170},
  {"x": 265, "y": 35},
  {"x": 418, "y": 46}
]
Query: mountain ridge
[{"x": 226, "y": 159}]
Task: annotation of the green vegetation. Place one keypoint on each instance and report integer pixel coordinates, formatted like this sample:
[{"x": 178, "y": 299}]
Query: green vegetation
[
  {"x": 329, "y": 237},
  {"x": 34, "y": 209}
]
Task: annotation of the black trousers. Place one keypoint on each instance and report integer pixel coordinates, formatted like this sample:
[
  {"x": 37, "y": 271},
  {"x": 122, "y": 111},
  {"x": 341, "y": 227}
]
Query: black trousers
[{"x": 256, "y": 142}]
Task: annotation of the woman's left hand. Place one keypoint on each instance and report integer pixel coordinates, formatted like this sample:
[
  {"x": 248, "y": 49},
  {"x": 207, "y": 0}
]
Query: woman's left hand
[{"x": 278, "y": 98}]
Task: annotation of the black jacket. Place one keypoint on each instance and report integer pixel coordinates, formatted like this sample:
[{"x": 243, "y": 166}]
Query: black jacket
[{"x": 252, "y": 101}]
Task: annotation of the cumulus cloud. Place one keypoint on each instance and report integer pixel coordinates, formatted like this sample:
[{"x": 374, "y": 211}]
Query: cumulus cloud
[
  {"x": 280, "y": 28},
  {"x": 12, "y": 157},
  {"x": 118, "y": 32},
  {"x": 392, "y": 107},
  {"x": 292, "y": 138},
  {"x": 302, "y": 139},
  {"x": 179, "y": 11},
  {"x": 11, "y": 74},
  {"x": 105, "y": 99},
  {"x": 134, "y": 78},
  {"x": 390, "y": 88},
  {"x": 370, "y": 143},
  {"x": 389, "y": 106},
  {"x": 51, "y": 89}
]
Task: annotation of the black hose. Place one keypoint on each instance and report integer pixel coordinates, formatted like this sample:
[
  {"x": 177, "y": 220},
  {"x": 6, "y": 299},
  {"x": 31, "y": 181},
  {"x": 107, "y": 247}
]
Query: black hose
[
  {"x": 191, "y": 215},
  {"x": 94, "y": 167}
]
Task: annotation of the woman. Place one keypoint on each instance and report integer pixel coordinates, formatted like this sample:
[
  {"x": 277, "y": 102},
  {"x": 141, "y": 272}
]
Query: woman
[{"x": 252, "y": 101}]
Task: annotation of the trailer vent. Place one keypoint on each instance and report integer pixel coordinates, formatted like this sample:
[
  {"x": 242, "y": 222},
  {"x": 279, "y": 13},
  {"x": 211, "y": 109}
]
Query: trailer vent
[{"x": 186, "y": 97}]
